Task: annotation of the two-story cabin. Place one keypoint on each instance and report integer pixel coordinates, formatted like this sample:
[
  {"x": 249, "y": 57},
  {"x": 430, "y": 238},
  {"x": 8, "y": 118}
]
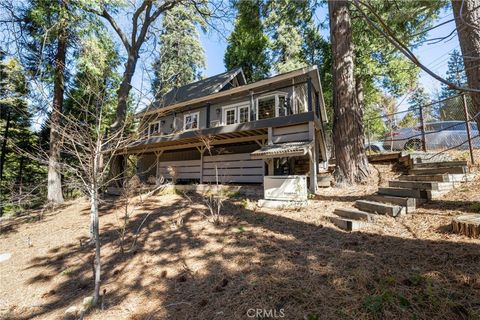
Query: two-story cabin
[{"x": 223, "y": 128}]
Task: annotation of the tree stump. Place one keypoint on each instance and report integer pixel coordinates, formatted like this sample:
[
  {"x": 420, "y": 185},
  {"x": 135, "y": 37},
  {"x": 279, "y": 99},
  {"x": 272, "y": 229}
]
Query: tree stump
[{"x": 468, "y": 225}]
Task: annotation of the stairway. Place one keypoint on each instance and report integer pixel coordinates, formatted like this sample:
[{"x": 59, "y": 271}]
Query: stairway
[{"x": 425, "y": 181}]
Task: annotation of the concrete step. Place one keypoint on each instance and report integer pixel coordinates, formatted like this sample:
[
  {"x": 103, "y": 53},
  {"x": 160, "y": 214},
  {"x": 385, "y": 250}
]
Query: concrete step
[
  {"x": 421, "y": 185},
  {"x": 410, "y": 204},
  {"x": 353, "y": 214},
  {"x": 430, "y": 171},
  {"x": 403, "y": 192},
  {"x": 400, "y": 201},
  {"x": 441, "y": 177},
  {"x": 443, "y": 164},
  {"x": 348, "y": 224},
  {"x": 380, "y": 208}
]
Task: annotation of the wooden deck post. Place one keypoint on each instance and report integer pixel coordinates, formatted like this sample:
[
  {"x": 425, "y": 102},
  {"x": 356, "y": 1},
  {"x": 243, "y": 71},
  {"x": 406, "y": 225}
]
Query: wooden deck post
[
  {"x": 158, "y": 154},
  {"x": 309, "y": 94},
  {"x": 202, "y": 151},
  {"x": 271, "y": 170},
  {"x": 313, "y": 157},
  {"x": 253, "y": 111},
  {"x": 207, "y": 107}
]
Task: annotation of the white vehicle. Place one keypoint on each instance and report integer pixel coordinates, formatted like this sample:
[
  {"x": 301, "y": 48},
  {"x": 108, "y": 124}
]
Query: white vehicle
[
  {"x": 438, "y": 135},
  {"x": 375, "y": 147}
]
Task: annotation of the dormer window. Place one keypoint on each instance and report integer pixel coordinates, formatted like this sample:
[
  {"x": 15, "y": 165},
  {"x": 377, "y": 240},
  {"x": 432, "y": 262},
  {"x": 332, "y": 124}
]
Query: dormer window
[{"x": 190, "y": 121}]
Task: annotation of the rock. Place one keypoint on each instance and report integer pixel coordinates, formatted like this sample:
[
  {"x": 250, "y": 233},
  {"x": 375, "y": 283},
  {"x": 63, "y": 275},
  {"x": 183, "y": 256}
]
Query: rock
[
  {"x": 72, "y": 311},
  {"x": 5, "y": 256},
  {"x": 87, "y": 303}
]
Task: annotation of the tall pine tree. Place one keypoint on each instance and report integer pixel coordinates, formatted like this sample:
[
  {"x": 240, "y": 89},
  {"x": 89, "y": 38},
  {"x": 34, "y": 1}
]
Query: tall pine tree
[
  {"x": 455, "y": 74},
  {"x": 451, "y": 107},
  {"x": 49, "y": 26},
  {"x": 181, "y": 57},
  {"x": 17, "y": 140},
  {"x": 247, "y": 45},
  {"x": 285, "y": 23}
]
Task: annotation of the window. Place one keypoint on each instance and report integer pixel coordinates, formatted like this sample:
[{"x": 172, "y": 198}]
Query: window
[
  {"x": 190, "y": 121},
  {"x": 459, "y": 127},
  {"x": 153, "y": 128},
  {"x": 266, "y": 108},
  {"x": 433, "y": 127},
  {"x": 236, "y": 114},
  {"x": 282, "y": 106},
  {"x": 272, "y": 106},
  {"x": 230, "y": 116},
  {"x": 243, "y": 114}
]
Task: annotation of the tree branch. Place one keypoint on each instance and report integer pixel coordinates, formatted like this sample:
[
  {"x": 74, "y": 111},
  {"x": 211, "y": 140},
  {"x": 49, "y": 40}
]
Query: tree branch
[
  {"x": 388, "y": 34},
  {"x": 135, "y": 19},
  {"x": 116, "y": 27}
]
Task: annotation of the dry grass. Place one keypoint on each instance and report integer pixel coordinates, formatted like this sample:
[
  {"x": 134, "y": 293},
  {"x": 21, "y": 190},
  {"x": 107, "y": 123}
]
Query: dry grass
[{"x": 184, "y": 267}]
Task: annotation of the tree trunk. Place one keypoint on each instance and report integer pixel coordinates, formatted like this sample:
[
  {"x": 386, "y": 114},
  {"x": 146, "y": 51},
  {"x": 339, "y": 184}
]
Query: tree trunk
[
  {"x": 20, "y": 175},
  {"x": 124, "y": 91},
  {"x": 118, "y": 162},
  {"x": 351, "y": 161},
  {"x": 359, "y": 91},
  {"x": 54, "y": 177},
  {"x": 468, "y": 31},
  {"x": 3, "y": 156},
  {"x": 96, "y": 235}
]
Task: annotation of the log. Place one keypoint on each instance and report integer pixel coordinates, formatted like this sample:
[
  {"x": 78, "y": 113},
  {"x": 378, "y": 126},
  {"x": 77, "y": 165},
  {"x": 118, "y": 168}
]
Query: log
[{"x": 468, "y": 225}]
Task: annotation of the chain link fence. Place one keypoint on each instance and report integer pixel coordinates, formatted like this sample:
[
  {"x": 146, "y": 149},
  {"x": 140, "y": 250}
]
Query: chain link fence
[{"x": 440, "y": 126}]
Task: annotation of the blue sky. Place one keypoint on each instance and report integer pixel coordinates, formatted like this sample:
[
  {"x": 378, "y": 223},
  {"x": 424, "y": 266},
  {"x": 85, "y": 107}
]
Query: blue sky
[{"x": 434, "y": 56}]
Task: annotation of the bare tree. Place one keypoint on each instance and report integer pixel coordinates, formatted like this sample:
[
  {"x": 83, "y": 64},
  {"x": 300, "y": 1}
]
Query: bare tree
[
  {"x": 348, "y": 137},
  {"x": 143, "y": 17},
  {"x": 92, "y": 151}
]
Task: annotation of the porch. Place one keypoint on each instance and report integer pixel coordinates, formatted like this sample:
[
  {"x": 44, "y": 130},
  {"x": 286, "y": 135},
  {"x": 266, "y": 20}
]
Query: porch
[{"x": 237, "y": 153}]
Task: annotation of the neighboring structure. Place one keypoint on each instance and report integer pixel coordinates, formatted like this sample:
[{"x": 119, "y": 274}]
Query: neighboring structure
[{"x": 222, "y": 128}]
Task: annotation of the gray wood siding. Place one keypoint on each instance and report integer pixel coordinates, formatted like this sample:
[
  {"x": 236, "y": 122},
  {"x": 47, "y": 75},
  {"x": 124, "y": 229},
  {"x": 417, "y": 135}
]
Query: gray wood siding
[
  {"x": 185, "y": 165},
  {"x": 185, "y": 170},
  {"x": 233, "y": 168},
  {"x": 291, "y": 133}
]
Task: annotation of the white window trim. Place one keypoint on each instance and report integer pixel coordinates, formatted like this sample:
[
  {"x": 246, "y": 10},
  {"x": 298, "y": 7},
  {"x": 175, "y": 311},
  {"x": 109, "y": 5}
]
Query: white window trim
[
  {"x": 248, "y": 112},
  {"x": 153, "y": 123},
  {"x": 225, "y": 110},
  {"x": 277, "y": 104},
  {"x": 236, "y": 107},
  {"x": 185, "y": 122}
]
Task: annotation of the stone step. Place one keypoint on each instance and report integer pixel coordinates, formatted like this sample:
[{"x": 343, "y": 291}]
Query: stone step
[
  {"x": 421, "y": 185},
  {"x": 443, "y": 164},
  {"x": 348, "y": 224},
  {"x": 410, "y": 204},
  {"x": 402, "y": 192},
  {"x": 353, "y": 214},
  {"x": 430, "y": 171},
  {"x": 380, "y": 208}
]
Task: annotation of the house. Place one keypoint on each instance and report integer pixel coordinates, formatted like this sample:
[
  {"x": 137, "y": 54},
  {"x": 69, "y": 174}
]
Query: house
[{"x": 222, "y": 128}]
